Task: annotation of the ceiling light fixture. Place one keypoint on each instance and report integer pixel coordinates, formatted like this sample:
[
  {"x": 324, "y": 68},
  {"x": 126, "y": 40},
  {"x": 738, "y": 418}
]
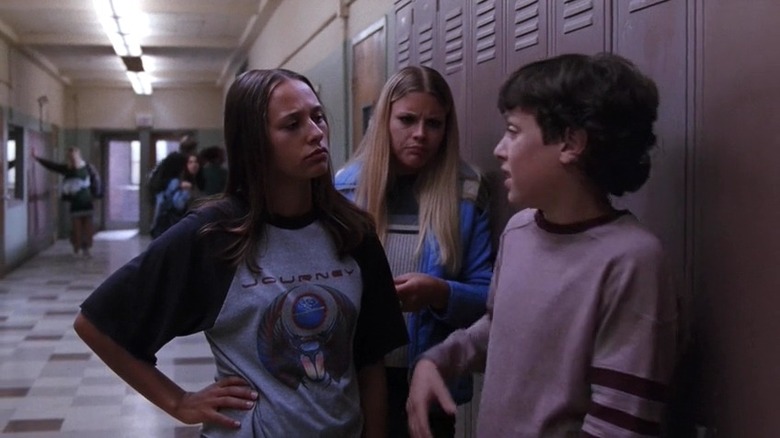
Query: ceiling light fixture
[
  {"x": 140, "y": 82},
  {"x": 122, "y": 23}
]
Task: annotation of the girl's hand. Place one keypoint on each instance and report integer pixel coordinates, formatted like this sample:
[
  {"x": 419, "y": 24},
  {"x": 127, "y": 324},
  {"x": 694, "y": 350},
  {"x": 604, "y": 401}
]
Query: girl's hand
[
  {"x": 204, "y": 406},
  {"x": 416, "y": 290},
  {"x": 186, "y": 185}
]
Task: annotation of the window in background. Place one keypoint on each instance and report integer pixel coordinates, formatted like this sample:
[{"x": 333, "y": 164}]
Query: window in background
[
  {"x": 15, "y": 153},
  {"x": 135, "y": 162}
]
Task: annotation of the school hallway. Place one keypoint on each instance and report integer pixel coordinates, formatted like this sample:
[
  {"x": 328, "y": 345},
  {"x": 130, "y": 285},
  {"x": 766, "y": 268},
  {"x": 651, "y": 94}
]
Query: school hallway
[{"x": 51, "y": 384}]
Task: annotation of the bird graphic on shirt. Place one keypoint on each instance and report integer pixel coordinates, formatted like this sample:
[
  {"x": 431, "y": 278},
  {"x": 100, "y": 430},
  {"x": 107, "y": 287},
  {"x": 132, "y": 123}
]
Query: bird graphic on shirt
[{"x": 304, "y": 335}]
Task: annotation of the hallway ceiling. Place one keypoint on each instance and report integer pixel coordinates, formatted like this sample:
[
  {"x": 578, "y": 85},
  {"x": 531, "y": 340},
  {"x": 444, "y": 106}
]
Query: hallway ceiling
[{"x": 189, "y": 43}]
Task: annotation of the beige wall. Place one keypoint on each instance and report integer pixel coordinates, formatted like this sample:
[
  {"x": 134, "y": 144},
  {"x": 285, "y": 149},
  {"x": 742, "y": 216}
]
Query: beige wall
[
  {"x": 364, "y": 13},
  {"x": 276, "y": 43},
  {"x": 5, "y": 74},
  {"x": 115, "y": 108},
  {"x": 321, "y": 29},
  {"x": 23, "y": 80}
]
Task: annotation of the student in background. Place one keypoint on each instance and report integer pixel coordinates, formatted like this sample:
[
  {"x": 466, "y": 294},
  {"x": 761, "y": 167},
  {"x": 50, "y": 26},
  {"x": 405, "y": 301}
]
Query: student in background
[
  {"x": 172, "y": 203},
  {"x": 170, "y": 167},
  {"x": 431, "y": 213},
  {"x": 212, "y": 169},
  {"x": 581, "y": 333},
  {"x": 285, "y": 277},
  {"x": 81, "y": 185}
]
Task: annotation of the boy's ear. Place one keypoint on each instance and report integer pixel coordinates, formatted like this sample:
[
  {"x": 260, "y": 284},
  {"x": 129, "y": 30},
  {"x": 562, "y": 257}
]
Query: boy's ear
[{"x": 573, "y": 145}]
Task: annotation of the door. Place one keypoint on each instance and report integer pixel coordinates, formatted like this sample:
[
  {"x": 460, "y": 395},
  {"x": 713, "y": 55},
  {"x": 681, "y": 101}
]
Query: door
[
  {"x": 368, "y": 77},
  {"x": 123, "y": 182},
  {"x": 42, "y": 192}
]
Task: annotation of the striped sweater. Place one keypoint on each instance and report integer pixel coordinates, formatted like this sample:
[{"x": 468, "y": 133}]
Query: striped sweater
[{"x": 580, "y": 336}]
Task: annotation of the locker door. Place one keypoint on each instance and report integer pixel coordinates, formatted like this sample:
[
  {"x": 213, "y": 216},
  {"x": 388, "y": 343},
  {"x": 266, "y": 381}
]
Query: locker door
[
  {"x": 424, "y": 25},
  {"x": 486, "y": 62},
  {"x": 581, "y": 26},
  {"x": 403, "y": 34},
  {"x": 653, "y": 35},
  {"x": 453, "y": 41},
  {"x": 527, "y": 32}
]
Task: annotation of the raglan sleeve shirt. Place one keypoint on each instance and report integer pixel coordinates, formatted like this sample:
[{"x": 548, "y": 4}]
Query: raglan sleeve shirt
[
  {"x": 380, "y": 326},
  {"x": 465, "y": 350},
  {"x": 174, "y": 288},
  {"x": 178, "y": 285},
  {"x": 635, "y": 347}
]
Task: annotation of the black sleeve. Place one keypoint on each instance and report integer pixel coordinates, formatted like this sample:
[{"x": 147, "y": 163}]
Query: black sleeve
[
  {"x": 175, "y": 288},
  {"x": 380, "y": 327},
  {"x": 51, "y": 165}
]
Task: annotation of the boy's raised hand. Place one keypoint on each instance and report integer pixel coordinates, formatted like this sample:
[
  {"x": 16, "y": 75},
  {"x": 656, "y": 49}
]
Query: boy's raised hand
[{"x": 427, "y": 386}]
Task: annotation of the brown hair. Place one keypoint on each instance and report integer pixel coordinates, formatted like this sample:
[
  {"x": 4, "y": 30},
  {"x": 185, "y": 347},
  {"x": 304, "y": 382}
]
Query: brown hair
[
  {"x": 607, "y": 97},
  {"x": 247, "y": 144}
]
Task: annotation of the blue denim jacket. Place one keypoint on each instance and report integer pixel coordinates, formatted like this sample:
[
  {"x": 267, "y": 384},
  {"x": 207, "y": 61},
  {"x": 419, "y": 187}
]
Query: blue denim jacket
[{"x": 468, "y": 289}]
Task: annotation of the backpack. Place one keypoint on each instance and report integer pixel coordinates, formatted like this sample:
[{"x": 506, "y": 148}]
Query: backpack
[
  {"x": 95, "y": 184},
  {"x": 165, "y": 216},
  {"x": 153, "y": 184},
  {"x": 170, "y": 167}
]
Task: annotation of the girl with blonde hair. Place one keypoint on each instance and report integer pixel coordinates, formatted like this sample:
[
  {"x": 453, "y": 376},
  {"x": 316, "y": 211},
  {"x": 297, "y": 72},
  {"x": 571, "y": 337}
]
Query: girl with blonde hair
[{"x": 431, "y": 214}]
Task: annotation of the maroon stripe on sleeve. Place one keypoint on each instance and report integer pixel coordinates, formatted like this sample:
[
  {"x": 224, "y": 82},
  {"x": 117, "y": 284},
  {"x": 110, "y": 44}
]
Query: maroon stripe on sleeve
[
  {"x": 624, "y": 420},
  {"x": 628, "y": 383}
]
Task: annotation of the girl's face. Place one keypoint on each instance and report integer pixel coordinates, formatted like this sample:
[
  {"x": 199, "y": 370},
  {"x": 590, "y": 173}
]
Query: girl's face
[
  {"x": 192, "y": 165},
  {"x": 298, "y": 132},
  {"x": 530, "y": 165},
  {"x": 417, "y": 130}
]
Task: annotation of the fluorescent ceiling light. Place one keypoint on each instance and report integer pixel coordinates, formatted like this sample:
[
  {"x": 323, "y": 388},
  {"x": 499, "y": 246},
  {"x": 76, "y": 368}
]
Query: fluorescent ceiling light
[
  {"x": 140, "y": 82},
  {"x": 123, "y": 23}
]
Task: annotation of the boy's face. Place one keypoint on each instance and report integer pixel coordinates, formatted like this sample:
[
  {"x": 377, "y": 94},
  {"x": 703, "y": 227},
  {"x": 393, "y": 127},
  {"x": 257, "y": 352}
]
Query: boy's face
[{"x": 528, "y": 164}]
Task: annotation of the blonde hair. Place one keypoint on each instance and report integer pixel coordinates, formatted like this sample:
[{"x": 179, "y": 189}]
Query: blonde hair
[{"x": 437, "y": 188}]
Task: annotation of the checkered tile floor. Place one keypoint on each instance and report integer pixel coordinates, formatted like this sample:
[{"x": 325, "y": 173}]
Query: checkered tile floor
[{"x": 51, "y": 385}]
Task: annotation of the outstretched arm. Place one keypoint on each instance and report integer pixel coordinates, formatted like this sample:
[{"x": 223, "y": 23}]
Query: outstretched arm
[
  {"x": 427, "y": 387},
  {"x": 188, "y": 407},
  {"x": 464, "y": 351},
  {"x": 51, "y": 165}
]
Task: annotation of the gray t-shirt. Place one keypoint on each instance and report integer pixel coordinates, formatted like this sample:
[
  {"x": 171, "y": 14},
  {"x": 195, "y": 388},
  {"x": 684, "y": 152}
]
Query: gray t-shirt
[
  {"x": 288, "y": 332},
  {"x": 298, "y": 332}
]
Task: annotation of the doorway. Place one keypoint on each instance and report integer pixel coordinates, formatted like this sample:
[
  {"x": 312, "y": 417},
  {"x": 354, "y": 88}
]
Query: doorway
[
  {"x": 368, "y": 77},
  {"x": 125, "y": 175},
  {"x": 121, "y": 198}
]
